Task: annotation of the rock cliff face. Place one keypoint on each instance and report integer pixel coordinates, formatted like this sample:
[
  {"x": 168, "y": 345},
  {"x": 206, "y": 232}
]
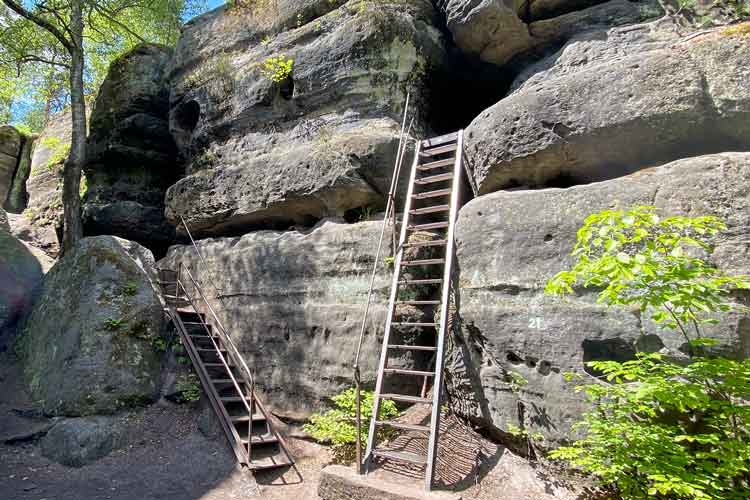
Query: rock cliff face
[
  {"x": 292, "y": 301},
  {"x": 612, "y": 102},
  {"x": 11, "y": 142},
  {"x": 511, "y": 242},
  {"x": 318, "y": 142},
  {"x": 132, "y": 158},
  {"x": 88, "y": 344}
]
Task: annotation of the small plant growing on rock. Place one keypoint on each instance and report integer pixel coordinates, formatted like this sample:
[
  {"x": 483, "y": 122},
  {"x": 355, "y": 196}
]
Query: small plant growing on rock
[
  {"x": 277, "y": 69},
  {"x": 188, "y": 389},
  {"x": 130, "y": 288},
  {"x": 113, "y": 324},
  {"x": 659, "y": 428},
  {"x": 337, "y": 426}
]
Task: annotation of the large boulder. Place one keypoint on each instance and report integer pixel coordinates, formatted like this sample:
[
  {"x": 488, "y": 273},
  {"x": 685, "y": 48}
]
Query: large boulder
[
  {"x": 20, "y": 275},
  {"x": 88, "y": 343},
  {"x": 504, "y": 31},
  {"x": 293, "y": 303},
  {"x": 76, "y": 442},
  {"x": 612, "y": 102},
  {"x": 132, "y": 159},
  {"x": 511, "y": 242},
  {"x": 319, "y": 142},
  {"x": 40, "y": 237},
  {"x": 11, "y": 141}
]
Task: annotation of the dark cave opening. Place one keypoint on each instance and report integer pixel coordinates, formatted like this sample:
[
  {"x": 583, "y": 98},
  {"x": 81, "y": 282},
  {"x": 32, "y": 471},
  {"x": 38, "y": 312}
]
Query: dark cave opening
[
  {"x": 463, "y": 87},
  {"x": 187, "y": 116}
]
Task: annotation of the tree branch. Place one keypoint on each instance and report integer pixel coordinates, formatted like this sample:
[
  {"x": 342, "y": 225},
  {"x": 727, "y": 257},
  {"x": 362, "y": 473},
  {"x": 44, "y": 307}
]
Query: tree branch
[
  {"x": 32, "y": 58},
  {"x": 41, "y": 22},
  {"x": 111, "y": 18}
]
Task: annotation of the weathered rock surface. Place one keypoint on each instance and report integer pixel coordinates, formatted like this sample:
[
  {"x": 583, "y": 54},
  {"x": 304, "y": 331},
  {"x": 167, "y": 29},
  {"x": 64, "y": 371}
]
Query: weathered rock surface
[
  {"x": 611, "y": 103},
  {"x": 511, "y": 243},
  {"x": 17, "y": 194},
  {"x": 79, "y": 441},
  {"x": 11, "y": 142},
  {"x": 499, "y": 31},
  {"x": 40, "y": 237},
  {"x": 293, "y": 302},
  {"x": 20, "y": 275},
  {"x": 320, "y": 142},
  {"x": 44, "y": 185},
  {"x": 132, "y": 159},
  {"x": 87, "y": 342}
]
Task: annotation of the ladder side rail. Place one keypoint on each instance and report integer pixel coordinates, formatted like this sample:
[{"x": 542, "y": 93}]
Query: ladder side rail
[
  {"x": 391, "y": 309},
  {"x": 444, "y": 308},
  {"x": 213, "y": 397},
  {"x": 221, "y": 357}
]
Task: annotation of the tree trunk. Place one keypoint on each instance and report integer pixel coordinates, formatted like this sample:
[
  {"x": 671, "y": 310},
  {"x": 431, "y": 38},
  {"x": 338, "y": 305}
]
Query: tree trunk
[{"x": 73, "y": 228}]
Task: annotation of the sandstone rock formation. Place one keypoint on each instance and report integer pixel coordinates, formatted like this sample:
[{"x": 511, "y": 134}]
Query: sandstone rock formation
[
  {"x": 11, "y": 142},
  {"x": 20, "y": 275},
  {"x": 88, "y": 343},
  {"x": 511, "y": 242},
  {"x": 132, "y": 158},
  {"x": 612, "y": 102},
  {"x": 293, "y": 303},
  {"x": 44, "y": 185},
  {"x": 499, "y": 31},
  {"x": 17, "y": 195},
  {"x": 41, "y": 238},
  {"x": 320, "y": 141}
]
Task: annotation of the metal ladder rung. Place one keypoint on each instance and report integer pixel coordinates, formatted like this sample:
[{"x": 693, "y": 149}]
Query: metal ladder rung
[
  {"x": 210, "y": 350},
  {"x": 225, "y": 381},
  {"x": 430, "y": 210},
  {"x": 419, "y": 302},
  {"x": 258, "y": 417},
  {"x": 404, "y": 456},
  {"x": 431, "y": 281},
  {"x": 407, "y": 399},
  {"x": 431, "y": 225},
  {"x": 439, "y": 140},
  {"x": 436, "y": 164},
  {"x": 266, "y": 439},
  {"x": 402, "y": 426},
  {"x": 234, "y": 399},
  {"x": 431, "y": 194},
  {"x": 434, "y": 178},
  {"x": 404, "y": 347},
  {"x": 439, "y": 150},
  {"x": 430, "y": 243},
  {"x": 407, "y": 323},
  {"x": 402, "y": 371},
  {"x": 211, "y": 365},
  {"x": 423, "y": 262}
]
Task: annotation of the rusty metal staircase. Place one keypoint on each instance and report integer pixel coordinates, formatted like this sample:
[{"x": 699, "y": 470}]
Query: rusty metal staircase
[
  {"x": 432, "y": 204},
  {"x": 226, "y": 379}
]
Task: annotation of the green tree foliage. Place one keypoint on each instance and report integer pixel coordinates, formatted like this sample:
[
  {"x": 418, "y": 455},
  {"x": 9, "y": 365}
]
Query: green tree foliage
[
  {"x": 77, "y": 39},
  {"x": 659, "y": 428},
  {"x": 337, "y": 426}
]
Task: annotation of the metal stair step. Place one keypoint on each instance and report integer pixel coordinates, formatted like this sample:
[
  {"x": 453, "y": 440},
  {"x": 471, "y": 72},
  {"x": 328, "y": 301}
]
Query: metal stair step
[
  {"x": 432, "y": 194},
  {"x": 265, "y": 439},
  {"x": 223, "y": 351},
  {"x": 403, "y": 426},
  {"x": 407, "y": 323},
  {"x": 407, "y": 399},
  {"x": 225, "y": 381},
  {"x": 434, "y": 178},
  {"x": 439, "y": 150},
  {"x": 431, "y": 225},
  {"x": 214, "y": 365},
  {"x": 430, "y": 210},
  {"x": 404, "y": 347},
  {"x": 404, "y": 456},
  {"x": 431, "y": 243},
  {"x": 423, "y": 262},
  {"x": 258, "y": 417},
  {"x": 267, "y": 464},
  {"x": 234, "y": 399},
  {"x": 436, "y": 164},
  {"x": 419, "y": 302},
  {"x": 431, "y": 281},
  {"x": 416, "y": 373}
]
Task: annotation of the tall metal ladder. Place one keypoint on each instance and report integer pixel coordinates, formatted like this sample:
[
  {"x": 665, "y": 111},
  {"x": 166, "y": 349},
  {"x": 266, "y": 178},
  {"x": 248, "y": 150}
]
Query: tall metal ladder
[
  {"x": 224, "y": 375},
  {"x": 434, "y": 190}
]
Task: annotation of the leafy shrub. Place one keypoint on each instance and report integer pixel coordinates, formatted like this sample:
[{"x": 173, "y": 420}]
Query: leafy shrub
[
  {"x": 188, "y": 389},
  {"x": 277, "y": 69},
  {"x": 338, "y": 426},
  {"x": 658, "y": 428}
]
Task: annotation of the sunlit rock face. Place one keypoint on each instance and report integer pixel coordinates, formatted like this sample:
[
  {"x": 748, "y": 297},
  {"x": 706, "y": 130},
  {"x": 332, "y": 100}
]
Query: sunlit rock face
[{"x": 318, "y": 141}]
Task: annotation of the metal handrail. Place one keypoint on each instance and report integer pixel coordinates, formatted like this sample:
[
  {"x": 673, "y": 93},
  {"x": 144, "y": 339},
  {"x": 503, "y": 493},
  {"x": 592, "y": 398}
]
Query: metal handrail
[{"x": 228, "y": 342}]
